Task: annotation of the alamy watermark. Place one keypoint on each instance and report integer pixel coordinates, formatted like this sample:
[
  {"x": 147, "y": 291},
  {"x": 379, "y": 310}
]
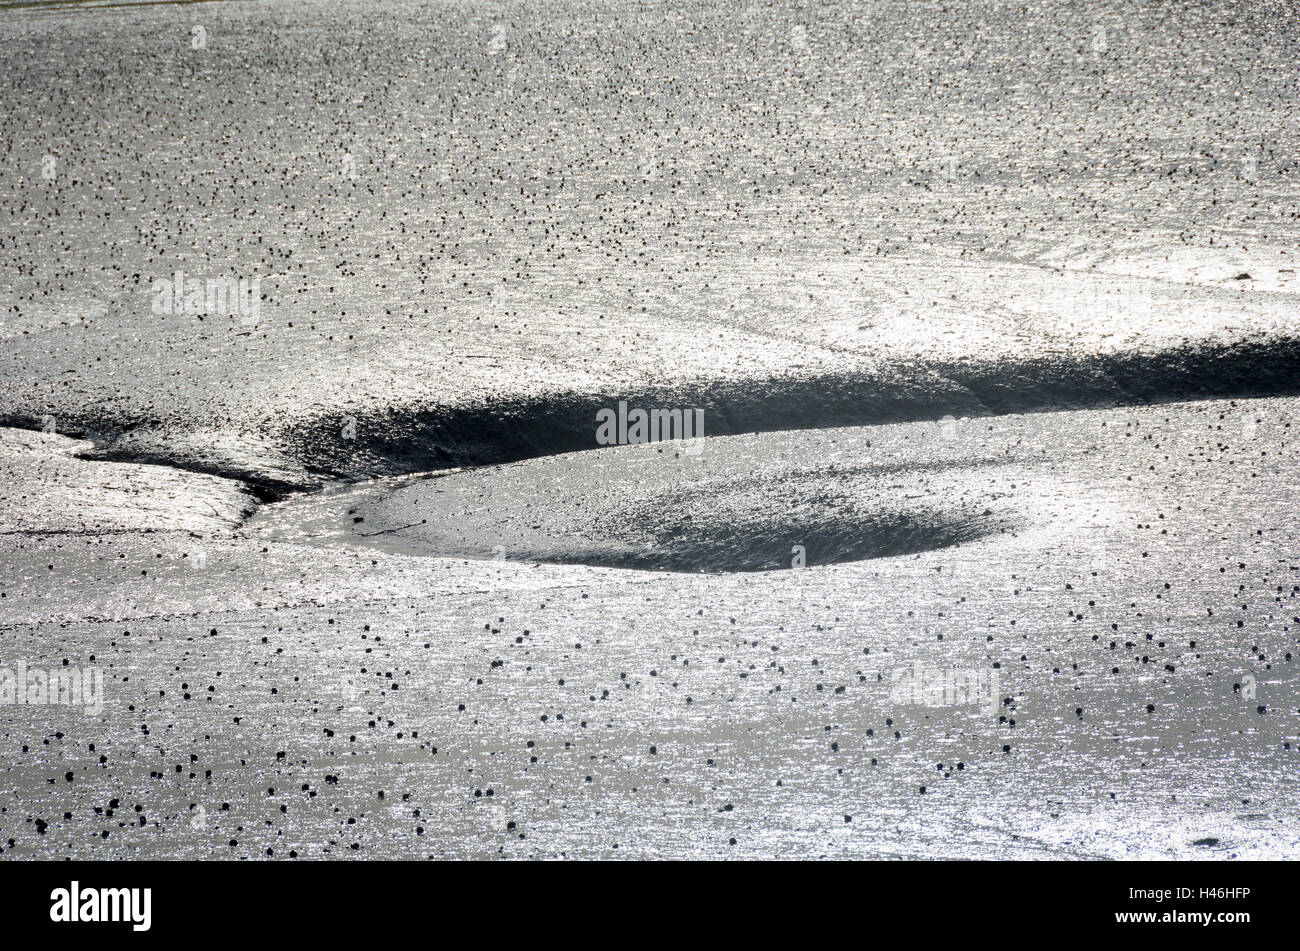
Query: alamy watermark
[
  {"x": 77, "y": 904},
  {"x": 214, "y": 296},
  {"x": 625, "y": 426},
  {"x": 938, "y": 687},
  {"x": 57, "y": 686}
]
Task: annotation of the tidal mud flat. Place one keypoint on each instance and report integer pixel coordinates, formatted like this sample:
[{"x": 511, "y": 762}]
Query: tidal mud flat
[
  {"x": 1108, "y": 673},
  {"x": 988, "y": 549}
]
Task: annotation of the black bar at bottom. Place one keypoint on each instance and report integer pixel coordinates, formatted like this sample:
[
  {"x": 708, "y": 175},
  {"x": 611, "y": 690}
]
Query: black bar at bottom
[{"x": 234, "y": 901}]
